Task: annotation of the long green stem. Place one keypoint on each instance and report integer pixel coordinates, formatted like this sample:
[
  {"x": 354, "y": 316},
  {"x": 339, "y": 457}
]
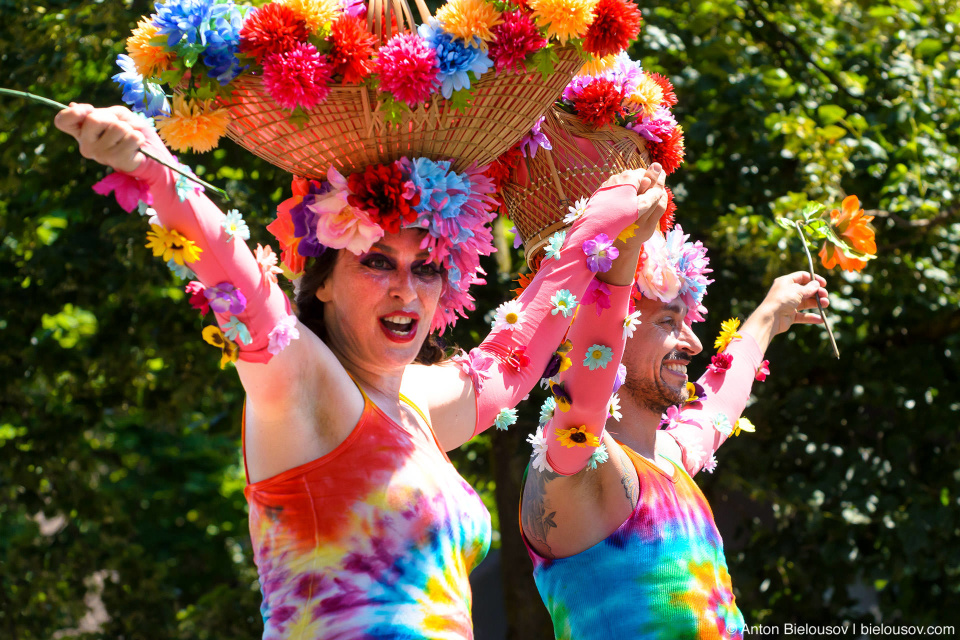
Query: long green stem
[
  {"x": 59, "y": 105},
  {"x": 823, "y": 315}
]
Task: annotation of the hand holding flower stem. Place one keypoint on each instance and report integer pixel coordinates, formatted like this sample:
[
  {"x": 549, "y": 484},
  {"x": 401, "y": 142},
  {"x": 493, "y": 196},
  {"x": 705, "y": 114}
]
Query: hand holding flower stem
[
  {"x": 823, "y": 315},
  {"x": 57, "y": 105}
]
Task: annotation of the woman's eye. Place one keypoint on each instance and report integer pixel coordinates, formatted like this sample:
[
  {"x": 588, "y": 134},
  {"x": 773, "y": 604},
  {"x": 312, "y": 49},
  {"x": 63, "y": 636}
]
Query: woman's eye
[
  {"x": 427, "y": 269},
  {"x": 377, "y": 262}
]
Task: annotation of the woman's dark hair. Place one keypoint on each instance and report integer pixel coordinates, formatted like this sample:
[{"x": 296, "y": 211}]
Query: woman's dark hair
[{"x": 310, "y": 308}]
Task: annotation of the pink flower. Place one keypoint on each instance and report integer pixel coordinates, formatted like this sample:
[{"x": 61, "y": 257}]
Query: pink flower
[
  {"x": 267, "y": 260},
  {"x": 597, "y": 293},
  {"x": 475, "y": 364},
  {"x": 600, "y": 253},
  {"x": 710, "y": 465},
  {"x": 350, "y": 229},
  {"x": 514, "y": 39},
  {"x": 516, "y": 358},
  {"x": 126, "y": 189},
  {"x": 281, "y": 335},
  {"x": 298, "y": 77},
  {"x": 656, "y": 277},
  {"x": 197, "y": 300},
  {"x": 720, "y": 363},
  {"x": 671, "y": 418},
  {"x": 407, "y": 68},
  {"x": 763, "y": 371}
]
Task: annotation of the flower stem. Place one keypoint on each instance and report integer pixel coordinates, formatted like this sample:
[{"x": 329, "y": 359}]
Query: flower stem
[
  {"x": 823, "y": 316},
  {"x": 59, "y": 105}
]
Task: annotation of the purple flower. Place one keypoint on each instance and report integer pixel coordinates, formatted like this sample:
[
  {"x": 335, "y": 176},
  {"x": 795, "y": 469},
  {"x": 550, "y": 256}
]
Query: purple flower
[
  {"x": 620, "y": 378},
  {"x": 225, "y": 298},
  {"x": 600, "y": 253},
  {"x": 281, "y": 335},
  {"x": 534, "y": 140}
]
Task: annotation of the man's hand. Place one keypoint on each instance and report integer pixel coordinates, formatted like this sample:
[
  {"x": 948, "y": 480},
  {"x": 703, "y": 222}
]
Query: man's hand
[
  {"x": 785, "y": 306},
  {"x": 110, "y": 136},
  {"x": 651, "y": 205}
]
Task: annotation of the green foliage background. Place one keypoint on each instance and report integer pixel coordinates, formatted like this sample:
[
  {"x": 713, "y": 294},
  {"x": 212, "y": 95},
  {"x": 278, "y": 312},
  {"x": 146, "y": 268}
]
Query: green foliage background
[{"x": 119, "y": 460}]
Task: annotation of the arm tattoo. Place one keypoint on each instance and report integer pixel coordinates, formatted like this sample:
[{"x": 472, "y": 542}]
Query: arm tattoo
[
  {"x": 630, "y": 485},
  {"x": 538, "y": 516}
]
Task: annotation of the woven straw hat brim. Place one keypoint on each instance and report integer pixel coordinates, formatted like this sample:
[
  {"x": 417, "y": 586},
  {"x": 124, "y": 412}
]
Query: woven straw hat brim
[
  {"x": 545, "y": 186},
  {"x": 349, "y": 132}
]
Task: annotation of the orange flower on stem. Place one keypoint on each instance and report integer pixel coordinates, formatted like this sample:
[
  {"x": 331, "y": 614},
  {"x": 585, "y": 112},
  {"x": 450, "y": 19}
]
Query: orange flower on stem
[{"x": 854, "y": 228}]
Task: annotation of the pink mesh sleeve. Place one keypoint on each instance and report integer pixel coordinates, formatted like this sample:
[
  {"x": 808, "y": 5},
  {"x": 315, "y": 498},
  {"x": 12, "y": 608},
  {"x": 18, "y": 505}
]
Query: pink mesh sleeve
[
  {"x": 588, "y": 382},
  {"x": 510, "y": 362},
  {"x": 703, "y": 426},
  {"x": 223, "y": 260}
]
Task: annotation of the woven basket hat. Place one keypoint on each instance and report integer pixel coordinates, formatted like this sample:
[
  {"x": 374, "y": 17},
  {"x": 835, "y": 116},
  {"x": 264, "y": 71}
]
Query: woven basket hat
[
  {"x": 350, "y": 132},
  {"x": 544, "y": 187}
]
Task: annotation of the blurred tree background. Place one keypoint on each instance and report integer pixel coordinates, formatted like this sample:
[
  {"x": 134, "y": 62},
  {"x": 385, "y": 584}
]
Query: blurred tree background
[{"x": 120, "y": 472}]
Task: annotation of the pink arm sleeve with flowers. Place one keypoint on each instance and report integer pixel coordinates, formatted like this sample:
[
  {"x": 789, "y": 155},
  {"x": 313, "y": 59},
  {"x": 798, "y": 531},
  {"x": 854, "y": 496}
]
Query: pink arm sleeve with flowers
[
  {"x": 702, "y": 426},
  {"x": 223, "y": 260},
  {"x": 588, "y": 383},
  {"x": 510, "y": 362}
]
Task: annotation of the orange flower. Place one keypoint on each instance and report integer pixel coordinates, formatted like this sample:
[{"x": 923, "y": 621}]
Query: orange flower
[
  {"x": 523, "y": 279},
  {"x": 855, "y": 229},
  {"x": 150, "y": 59},
  {"x": 282, "y": 229},
  {"x": 194, "y": 125}
]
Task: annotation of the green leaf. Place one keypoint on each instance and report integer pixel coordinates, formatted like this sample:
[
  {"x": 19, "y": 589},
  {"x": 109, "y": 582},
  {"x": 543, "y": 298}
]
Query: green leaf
[
  {"x": 928, "y": 47},
  {"x": 392, "y": 109},
  {"x": 460, "y": 100},
  {"x": 830, "y": 113},
  {"x": 832, "y": 132},
  {"x": 786, "y": 223},
  {"x": 544, "y": 61},
  {"x": 811, "y": 209}
]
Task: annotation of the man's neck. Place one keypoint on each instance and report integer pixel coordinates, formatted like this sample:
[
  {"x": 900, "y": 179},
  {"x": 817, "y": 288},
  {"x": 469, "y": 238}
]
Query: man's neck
[{"x": 638, "y": 427}]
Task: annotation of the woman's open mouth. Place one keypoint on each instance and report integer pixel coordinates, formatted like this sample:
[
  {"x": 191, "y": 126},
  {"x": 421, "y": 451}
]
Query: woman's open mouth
[{"x": 400, "y": 327}]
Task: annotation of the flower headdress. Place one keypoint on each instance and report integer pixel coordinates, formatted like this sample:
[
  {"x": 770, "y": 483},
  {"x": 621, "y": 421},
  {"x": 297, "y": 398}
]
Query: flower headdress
[
  {"x": 353, "y": 213},
  {"x": 670, "y": 267}
]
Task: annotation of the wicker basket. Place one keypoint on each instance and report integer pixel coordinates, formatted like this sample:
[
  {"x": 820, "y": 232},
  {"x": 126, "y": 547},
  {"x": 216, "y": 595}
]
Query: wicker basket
[
  {"x": 350, "y": 132},
  {"x": 543, "y": 187}
]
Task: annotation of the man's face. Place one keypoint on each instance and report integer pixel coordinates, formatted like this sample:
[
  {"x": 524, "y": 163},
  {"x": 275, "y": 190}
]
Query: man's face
[{"x": 657, "y": 355}]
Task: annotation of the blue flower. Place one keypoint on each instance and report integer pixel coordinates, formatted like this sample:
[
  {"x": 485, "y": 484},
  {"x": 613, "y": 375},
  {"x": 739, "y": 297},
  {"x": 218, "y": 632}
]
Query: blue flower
[
  {"x": 223, "y": 41},
  {"x": 455, "y": 58},
  {"x": 599, "y": 456},
  {"x": 234, "y": 225},
  {"x": 184, "y": 185},
  {"x": 442, "y": 195},
  {"x": 237, "y": 331},
  {"x": 555, "y": 244},
  {"x": 143, "y": 97},
  {"x": 181, "y": 271},
  {"x": 563, "y": 302},
  {"x": 189, "y": 22},
  {"x": 722, "y": 424},
  {"x": 547, "y": 410},
  {"x": 505, "y": 418},
  {"x": 598, "y": 357}
]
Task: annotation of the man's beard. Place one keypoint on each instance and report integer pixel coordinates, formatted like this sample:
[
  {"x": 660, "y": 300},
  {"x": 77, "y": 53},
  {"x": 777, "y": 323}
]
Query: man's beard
[{"x": 647, "y": 393}]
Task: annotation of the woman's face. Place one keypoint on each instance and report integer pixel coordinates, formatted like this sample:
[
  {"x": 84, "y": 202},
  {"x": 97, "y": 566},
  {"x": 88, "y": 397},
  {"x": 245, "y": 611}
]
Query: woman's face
[{"x": 378, "y": 306}]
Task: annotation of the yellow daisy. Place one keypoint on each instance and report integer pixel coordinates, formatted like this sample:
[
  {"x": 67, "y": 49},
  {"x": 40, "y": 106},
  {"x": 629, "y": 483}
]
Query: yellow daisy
[
  {"x": 193, "y": 125},
  {"x": 563, "y": 19},
  {"x": 728, "y": 333},
  {"x": 167, "y": 244},
  {"x": 646, "y": 97},
  {"x": 743, "y": 424},
  {"x": 469, "y": 19},
  {"x": 596, "y": 66},
  {"x": 577, "y": 437},
  {"x": 150, "y": 59}
]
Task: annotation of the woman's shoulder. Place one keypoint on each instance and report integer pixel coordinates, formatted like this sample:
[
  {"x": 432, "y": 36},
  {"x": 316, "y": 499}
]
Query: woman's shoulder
[{"x": 445, "y": 394}]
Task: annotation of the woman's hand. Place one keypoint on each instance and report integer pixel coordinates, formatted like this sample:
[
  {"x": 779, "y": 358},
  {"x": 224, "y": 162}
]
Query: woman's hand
[{"x": 110, "y": 136}]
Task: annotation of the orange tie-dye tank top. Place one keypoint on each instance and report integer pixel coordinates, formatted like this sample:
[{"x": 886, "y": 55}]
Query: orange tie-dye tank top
[{"x": 374, "y": 540}]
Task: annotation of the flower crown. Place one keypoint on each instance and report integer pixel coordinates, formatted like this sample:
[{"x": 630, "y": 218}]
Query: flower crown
[
  {"x": 300, "y": 48},
  {"x": 672, "y": 267},
  {"x": 352, "y": 213}
]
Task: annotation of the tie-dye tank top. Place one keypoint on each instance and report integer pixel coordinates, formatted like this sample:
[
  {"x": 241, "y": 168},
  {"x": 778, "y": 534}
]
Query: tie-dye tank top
[
  {"x": 374, "y": 540},
  {"x": 661, "y": 574}
]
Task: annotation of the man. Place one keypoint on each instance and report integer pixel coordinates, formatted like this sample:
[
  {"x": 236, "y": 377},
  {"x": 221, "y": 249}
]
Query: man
[{"x": 624, "y": 544}]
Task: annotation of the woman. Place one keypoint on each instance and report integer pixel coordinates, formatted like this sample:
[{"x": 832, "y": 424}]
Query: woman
[{"x": 361, "y": 527}]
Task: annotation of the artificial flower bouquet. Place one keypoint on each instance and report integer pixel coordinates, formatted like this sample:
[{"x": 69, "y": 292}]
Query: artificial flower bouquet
[{"x": 302, "y": 50}]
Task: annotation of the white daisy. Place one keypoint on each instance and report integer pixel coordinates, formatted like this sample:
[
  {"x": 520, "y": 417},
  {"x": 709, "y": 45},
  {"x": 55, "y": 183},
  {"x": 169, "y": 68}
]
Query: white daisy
[
  {"x": 710, "y": 465},
  {"x": 539, "y": 443},
  {"x": 722, "y": 424},
  {"x": 576, "y": 211},
  {"x": 509, "y": 316},
  {"x": 613, "y": 409},
  {"x": 630, "y": 324}
]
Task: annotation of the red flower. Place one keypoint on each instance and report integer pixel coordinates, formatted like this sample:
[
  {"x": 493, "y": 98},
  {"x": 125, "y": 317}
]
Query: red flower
[
  {"x": 516, "y": 358},
  {"x": 273, "y": 28},
  {"x": 197, "y": 300},
  {"x": 599, "y": 102},
  {"x": 382, "y": 192},
  {"x": 669, "y": 97},
  {"x": 297, "y": 78},
  {"x": 763, "y": 371},
  {"x": 670, "y": 152},
  {"x": 501, "y": 170},
  {"x": 615, "y": 24},
  {"x": 668, "y": 218},
  {"x": 720, "y": 363},
  {"x": 352, "y": 50},
  {"x": 514, "y": 39}
]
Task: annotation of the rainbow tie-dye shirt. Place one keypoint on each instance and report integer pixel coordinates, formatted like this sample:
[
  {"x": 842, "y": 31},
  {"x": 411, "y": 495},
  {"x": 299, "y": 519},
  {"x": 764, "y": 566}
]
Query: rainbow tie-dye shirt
[
  {"x": 661, "y": 575},
  {"x": 374, "y": 540}
]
